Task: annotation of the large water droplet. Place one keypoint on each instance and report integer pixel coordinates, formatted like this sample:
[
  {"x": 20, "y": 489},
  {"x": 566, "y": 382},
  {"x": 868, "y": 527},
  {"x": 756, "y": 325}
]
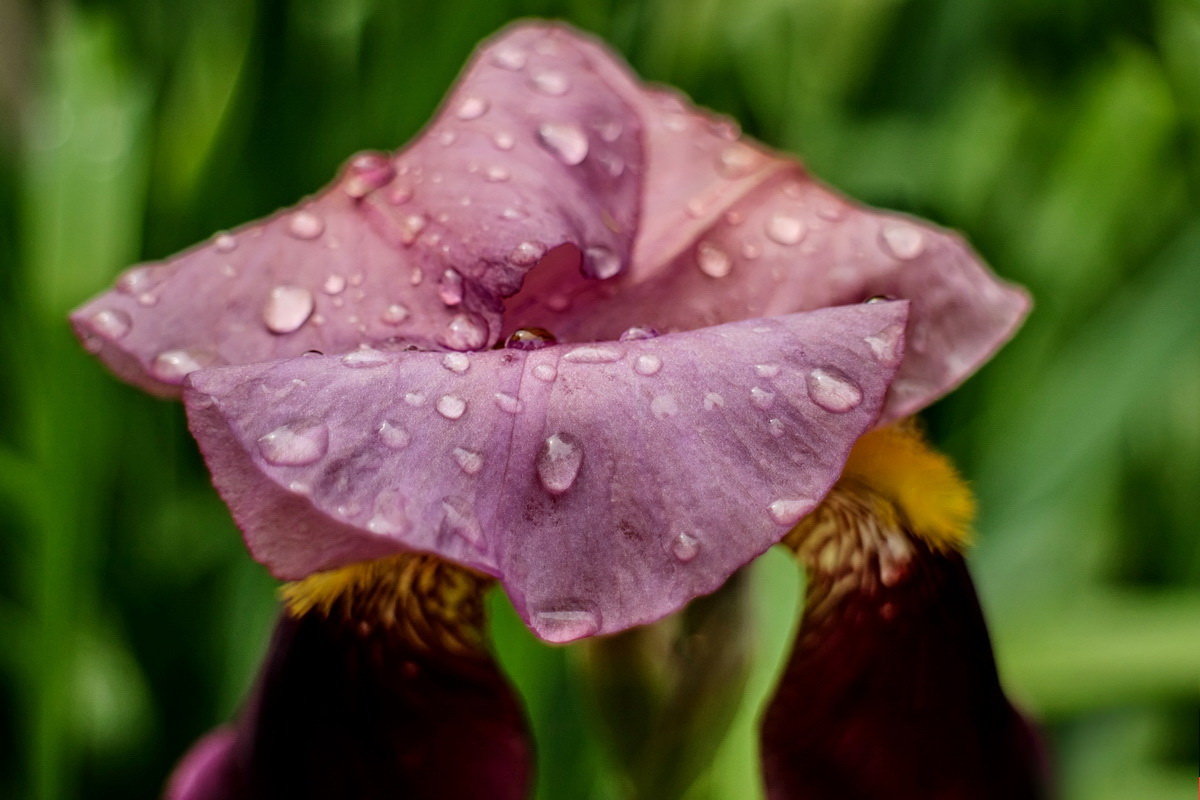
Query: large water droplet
[
  {"x": 451, "y": 406},
  {"x": 529, "y": 339},
  {"x": 295, "y": 444},
  {"x": 456, "y": 362},
  {"x": 713, "y": 261},
  {"x": 458, "y": 519},
  {"x": 685, "y": 547},
  {"x": 469, "y": 461},
  {"x": 832, "y": 390},
  {"x": 472, "y": 108},
  {"x": 784, "y": 229},
  {"x": 647, "y": 364},
  {"x": 788, "y": 511},
  {"x": 287, "y": 308},
  {"x": 551, "y": 82},
  {"x": 565, "y": 140},
  {"x": 600, "y": 262},
  {"x": 902, "y": 240},
  {"x": 565, "y": 625},
  {"x": 305, "y": 225},
  {"x": 111, "y": 323},
  {"x": 593, "y": 354},
  {"x": 393, "y": 435},
  {"x": 172, "y": 366},
  {"x": 450, "y": 287},
  {"x": 465, "y": 332},
  {"x": 558, "y": 462}
]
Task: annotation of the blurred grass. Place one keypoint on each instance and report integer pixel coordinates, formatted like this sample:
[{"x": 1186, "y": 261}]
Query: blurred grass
[{"x": 1062, "y": 137}]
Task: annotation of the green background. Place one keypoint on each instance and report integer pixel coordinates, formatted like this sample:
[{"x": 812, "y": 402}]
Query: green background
[{"x": 1062, "y": 137}]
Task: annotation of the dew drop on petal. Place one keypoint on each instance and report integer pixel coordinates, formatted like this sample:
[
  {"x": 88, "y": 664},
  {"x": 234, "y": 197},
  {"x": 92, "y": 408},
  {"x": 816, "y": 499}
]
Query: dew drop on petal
[
  {"x": 551, "y": 82},
  {"x": 529, "y": 339},
  {"x": 225, "y": 243},
  {"x": 832, "y": 390},
  {"x": 414, "y": 399},
  {"x": 469, "y": 461},
  {"x": 364, "y": 358},
  {"x": 761, "y": 397},
  {"x": 400, "y": 195},
  {"x": 465, "y": 332},
  {"x": 788, "y": 511},
  {"x": 411, "y": 227},
  {"x": 593, "y": 354},
  {"x": 558, "y": 462},
  {"x": 393, "y": 435},
  {"x": 368, "y": 172},
  {"x": 766, "y": 370},
  {"x": 712, "y": 400},
  {"x": 496, "y": 174},
  {"x": 295, "y": 444},
  {"x": 510, "y": 58},
  {"x": 451, "y": 406},
  {"x": 172, "y": 366},
  {"x": 334, "y": 284},
  {"x": 776, "y": 427},
  {"x": 394, "y": 314},
  {"x": 713, "y": 261},
  {"x": 565, "y": 140},
  {"x": 784, "y": 229},
  {"x": 503, "y": 140},
  {"x": 458, "y": 519},
  {"x": 902, "y": 240},
  {"x": 305, "y": 225},
  {"x": 566, "y": 624},
  {"x": 508, "y": 403},
  {"x": 287, "y": 308},
  {"x": 526, "y": 253},
  {"x": 886, "y": 343},
  {"x": 647, "y": 364},
  {"x": 638, "y": 333},
  {"x": 736, "y": 161},
  {"x": 140, "y": 280},
  {"x": 664, "y": 406},
  {"x": 545, "y": 372},
  {"x": 389, "y": 517},
  {"x": 685, "y": 547},
  {"x": 471, "y": 108},
  {"x": 600, "y": 262},
  {"x": 456, "y": 362},
  {"x": 111, "y": 323},
  {"x": 450, "y": 287}
]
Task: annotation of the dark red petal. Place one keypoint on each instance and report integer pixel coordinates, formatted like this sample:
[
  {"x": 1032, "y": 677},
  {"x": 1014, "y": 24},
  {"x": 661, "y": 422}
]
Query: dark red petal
[
  {"x": 604, "y": 485},
  {"x": 891, "y": 691}
]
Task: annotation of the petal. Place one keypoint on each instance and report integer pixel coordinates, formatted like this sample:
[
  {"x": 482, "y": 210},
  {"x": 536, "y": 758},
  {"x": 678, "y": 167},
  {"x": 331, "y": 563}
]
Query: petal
[
  {"x": 371, "y": 705},
  {"x": 571, "y": 472},
  {"x": 415, "y": 250},
  {"x": 891, "y": 690}
]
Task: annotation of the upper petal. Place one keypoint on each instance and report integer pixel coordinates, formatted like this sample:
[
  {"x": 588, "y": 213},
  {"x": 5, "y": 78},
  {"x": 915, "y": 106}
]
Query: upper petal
[{"x": 605, "y": 485}]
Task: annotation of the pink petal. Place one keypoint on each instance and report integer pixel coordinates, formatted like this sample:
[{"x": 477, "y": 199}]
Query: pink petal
[{"x": 605, "y": 485}]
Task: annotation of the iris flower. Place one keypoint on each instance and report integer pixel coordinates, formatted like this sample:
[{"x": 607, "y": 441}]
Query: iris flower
[{"x": 583, "y": 339}]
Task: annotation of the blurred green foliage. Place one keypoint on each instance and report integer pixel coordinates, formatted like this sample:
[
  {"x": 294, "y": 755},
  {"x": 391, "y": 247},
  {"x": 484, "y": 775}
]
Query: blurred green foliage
[{"x": 1062, "y": 137}]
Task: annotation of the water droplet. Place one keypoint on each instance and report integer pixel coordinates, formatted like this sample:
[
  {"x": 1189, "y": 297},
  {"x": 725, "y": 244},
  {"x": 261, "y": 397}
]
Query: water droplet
[
  {"x": 225, "y": 243},
  {"x": 414, "y": 399},
  {"x": 411, "y": 227},
  {"x": 394, "y": 314},
  {"x": 140, "y": 280},
  {"x": 111, "y": 323},
  {"x": 565, "y": 625},
  {"x": 593, "y": 354},
  {"x": 295, "y": 444},
  {"x": 902, "y": 240},
  {"x": 287, "y": 308},
  {"x": 751, "y": 251},
  {"x": 456, "y": 362},
  {"x": 503, "y": 140},
  {"x": 458, "y": 519},
  {"x": 664, "y": 406},
  {"x": 451, "y": 406},
  {"x": 776, "y": 427},
  {"x": 496, "y": 174},
  {"x": 508, "y": 403},
  {"x": 832, "y": 390},
  {"x": 172, "y": 366},
  {"x": 648, "y": 364},
  {"x": 389, "y": 517},
  {"x": 526, "y": 253},
  {"x": 450, "y": 287},
  {"x": 784, "y": 229},
  {"x": 766, "y": 370},
  {"x": 465, "y": 332},
  {"x": 368, "y": 172},
  {"x": 469, "y": 461},
  {"x": 886, "y": 343},
  {"x": 685, "y": 547},
  {"x": 713, "y": 261},
  {"x": 472, "y": 108},
  {"x": 305, "y": 225},
  {"x": 334, "y": 284},
  {"x": 788, "y": 511},
  {"x": 550, "y": 82},
  {"x": 529, "y": 339},
  {"x": 737, "y": 161},
  {"x": 400, "y": 195},
  {"x": 565, "y": 140},
  {"x": 600, "y": 262},
  {"x": 876, "y": 299},
  {"x": 713, "y": 400},
  {"x": 364, "y": 358},
  {"x": 638, "y": 333},
  {"x": 558, "y": 462},
  {"x": 510, "y": 58},
  {"x": 445, "y": 138},
  {"x": 761, "y": 397},
  {"x": 545, "y": 372},
  {"x": 393, "y": 435}
]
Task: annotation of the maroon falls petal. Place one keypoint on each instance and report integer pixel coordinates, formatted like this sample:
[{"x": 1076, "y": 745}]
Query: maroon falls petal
[
  {"x": 891, "y": 690},
  {"x": 530, "y": 152},
  {"x": 377, "y": 685},
  {"x": 604, "y": 484}
]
